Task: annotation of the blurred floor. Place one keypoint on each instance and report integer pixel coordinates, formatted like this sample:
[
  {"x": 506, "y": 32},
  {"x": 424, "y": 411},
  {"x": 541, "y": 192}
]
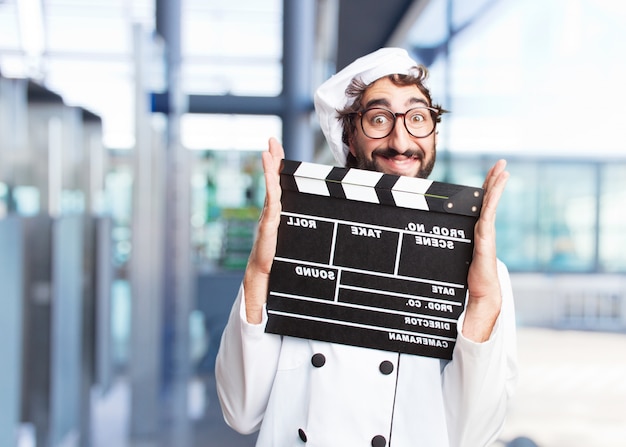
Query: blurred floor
[
  {"x": 211, "y": 430},
  {"x": 571, "y": 393},
  {"x": 572, "y": 389},
  {"x": 110, "y": 421}
]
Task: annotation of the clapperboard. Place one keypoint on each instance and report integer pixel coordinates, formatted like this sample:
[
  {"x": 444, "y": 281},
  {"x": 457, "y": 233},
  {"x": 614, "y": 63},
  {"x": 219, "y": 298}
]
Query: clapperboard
[{"x": 371, "y": 259}]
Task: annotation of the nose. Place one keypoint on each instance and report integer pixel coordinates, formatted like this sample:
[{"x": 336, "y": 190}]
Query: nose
[{"x": 400, "y": 139}]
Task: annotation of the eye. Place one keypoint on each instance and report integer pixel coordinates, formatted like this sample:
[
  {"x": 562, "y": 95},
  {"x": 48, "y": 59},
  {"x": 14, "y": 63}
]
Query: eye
[
  {"x": 417, "y": 118},
  {"x": 378, "y": 118}
]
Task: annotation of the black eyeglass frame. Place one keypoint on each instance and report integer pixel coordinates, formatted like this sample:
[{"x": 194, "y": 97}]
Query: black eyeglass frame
[{"x": 433, "y": 113}]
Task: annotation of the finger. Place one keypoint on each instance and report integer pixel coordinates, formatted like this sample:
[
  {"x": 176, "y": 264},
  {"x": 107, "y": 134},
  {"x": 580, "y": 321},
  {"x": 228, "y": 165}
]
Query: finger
[
  {"x": 493, "y": 173},
  {"x": 276, "y": 149},
  {"x": 271, "y": 167},
  {"x": 493, "y": 195}
]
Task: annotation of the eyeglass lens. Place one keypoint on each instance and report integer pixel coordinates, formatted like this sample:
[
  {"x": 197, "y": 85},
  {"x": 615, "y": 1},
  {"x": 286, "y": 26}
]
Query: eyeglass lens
[{"x": 378, "y": 122}]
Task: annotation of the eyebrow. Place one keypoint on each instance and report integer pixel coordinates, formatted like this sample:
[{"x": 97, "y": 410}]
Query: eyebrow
[{"x": 384, "y": 102}]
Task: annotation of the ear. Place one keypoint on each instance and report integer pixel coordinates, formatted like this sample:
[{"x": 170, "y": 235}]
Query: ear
[{"x": 351, "y": 145}]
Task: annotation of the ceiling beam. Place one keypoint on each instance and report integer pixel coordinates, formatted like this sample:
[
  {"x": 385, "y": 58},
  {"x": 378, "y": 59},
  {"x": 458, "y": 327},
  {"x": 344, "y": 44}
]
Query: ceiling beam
[{"x": 367, "y": 25}]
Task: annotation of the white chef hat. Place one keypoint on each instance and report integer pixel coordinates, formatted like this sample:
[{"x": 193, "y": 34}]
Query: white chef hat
[{"x": 331, "y": 95}]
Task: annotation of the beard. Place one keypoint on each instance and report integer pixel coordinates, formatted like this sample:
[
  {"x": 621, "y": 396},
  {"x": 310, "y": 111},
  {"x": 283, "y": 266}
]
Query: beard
[{"x": 426, "y": 167}]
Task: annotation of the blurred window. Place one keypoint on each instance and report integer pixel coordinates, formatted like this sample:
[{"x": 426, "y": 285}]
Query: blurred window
[
  {"x": 612, "y": 236},
  {"x": 228, "y": 191},
  {"x": 513, "y": 75},
  {"x": 555, "y": 216},
  {"x": 232, "y": 48}
]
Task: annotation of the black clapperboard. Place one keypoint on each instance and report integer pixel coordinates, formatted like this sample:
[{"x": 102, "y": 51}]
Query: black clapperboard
[{"x": 371, "y": 259}]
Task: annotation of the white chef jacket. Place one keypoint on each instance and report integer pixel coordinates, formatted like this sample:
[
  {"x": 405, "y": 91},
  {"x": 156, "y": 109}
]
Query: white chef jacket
[{"x": 309, "y": 393}]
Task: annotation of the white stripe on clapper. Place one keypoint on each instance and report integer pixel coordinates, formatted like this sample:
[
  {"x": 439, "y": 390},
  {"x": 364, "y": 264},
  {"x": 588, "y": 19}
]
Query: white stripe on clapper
[
  {"x": 359, "y": 185},
  {"x": 311, "y": 178}
]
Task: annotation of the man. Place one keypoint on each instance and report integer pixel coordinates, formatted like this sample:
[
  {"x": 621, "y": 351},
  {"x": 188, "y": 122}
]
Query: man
[{"x": 376, "y": 114}]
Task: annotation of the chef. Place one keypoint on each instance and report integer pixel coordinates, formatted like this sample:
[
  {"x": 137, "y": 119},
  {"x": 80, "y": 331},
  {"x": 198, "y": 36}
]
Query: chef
[{"x": 376, "y": 114}]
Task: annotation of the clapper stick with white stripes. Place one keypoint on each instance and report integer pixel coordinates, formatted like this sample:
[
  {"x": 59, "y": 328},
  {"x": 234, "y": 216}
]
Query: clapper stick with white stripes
[
  {"x": 376, "y": 187},
  {"x": 371, "y": 259}
]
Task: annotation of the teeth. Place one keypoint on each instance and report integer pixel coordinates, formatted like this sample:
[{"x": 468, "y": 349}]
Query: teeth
[{"x": 403, "y": 160}]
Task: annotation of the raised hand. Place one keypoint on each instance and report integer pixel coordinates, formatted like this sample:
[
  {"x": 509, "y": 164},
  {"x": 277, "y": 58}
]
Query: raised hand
[
  {"x": 256, "y": 276},
  {"x": 485, "y": 297}
]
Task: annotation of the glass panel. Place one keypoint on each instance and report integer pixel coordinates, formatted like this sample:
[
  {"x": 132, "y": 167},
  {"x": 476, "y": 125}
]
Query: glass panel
[
  {"x": 239, "y": 53},
  {"x": 512, "y": 68},
  {"x": 27, "y": 200},
  {"x": 119, "y": 184},
  {"x": 547, "y": 216},
  {"x": 517, "y": 218},
  {"x": 4, "y": 200},
  {"x": 612, "y": 236},
  {"x": 567, "y": 217},
  {"x": 228, "y": 191}
]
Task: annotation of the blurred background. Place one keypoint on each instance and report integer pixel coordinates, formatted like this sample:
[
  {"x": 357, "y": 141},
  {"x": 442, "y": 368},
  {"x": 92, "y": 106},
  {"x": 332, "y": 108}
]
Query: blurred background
[{"x": 130, "y": 185}]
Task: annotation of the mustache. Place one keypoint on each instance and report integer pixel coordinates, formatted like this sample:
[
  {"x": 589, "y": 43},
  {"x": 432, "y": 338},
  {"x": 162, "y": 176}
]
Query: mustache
[{"x": 390, "y": 153}]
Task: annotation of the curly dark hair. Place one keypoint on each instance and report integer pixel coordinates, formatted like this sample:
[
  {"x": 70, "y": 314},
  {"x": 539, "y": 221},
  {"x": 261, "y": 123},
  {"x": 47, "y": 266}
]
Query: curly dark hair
[{"x": 357, "y": 89}]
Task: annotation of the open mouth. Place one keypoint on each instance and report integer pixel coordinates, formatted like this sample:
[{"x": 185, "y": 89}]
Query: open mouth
[{"x": 399, "y": 163}]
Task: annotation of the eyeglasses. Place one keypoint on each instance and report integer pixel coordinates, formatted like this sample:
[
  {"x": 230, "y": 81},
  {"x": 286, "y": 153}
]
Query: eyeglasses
[{"x": 378, "y": 123}]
